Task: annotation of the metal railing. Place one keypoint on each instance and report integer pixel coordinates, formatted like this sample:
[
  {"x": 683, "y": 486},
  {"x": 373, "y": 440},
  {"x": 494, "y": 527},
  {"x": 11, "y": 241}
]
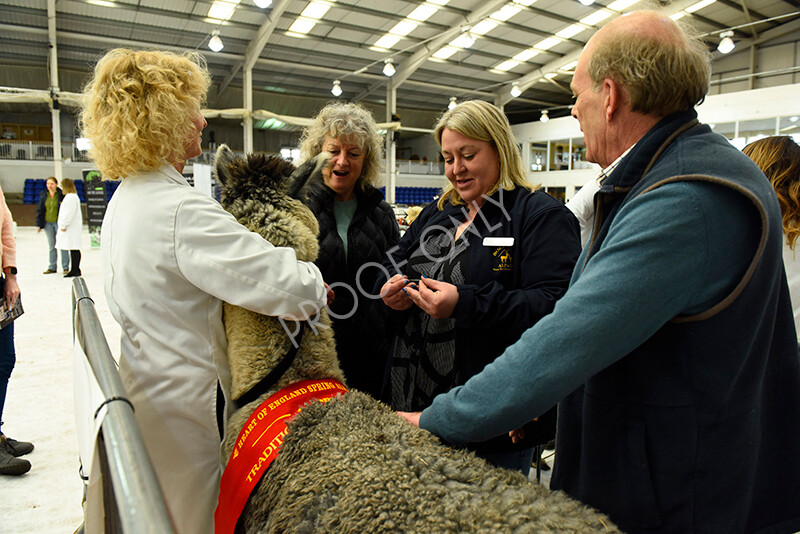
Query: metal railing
[
  {"x": 435, "y": 168},
  {"x": 137, "y": 505},
  {"x": 39, "y": 150}
]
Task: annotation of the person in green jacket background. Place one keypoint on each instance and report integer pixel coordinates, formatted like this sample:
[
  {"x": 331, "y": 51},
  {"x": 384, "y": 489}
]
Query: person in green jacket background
[{"x": 47, "y": 220}]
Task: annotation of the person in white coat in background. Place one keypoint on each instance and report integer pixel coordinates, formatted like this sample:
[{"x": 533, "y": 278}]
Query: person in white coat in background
[
  {"x": 171, "y": 255},
  {"x": 582, "y": 206},
  {"x": 70, "y": 223}
]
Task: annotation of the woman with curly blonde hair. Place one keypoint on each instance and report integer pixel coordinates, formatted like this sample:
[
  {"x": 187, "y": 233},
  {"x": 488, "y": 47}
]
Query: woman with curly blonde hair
[
  {"x": 171, "y": 256},
  {"x": 356, "y": 227},
  {"x": 779, "y": 157}
]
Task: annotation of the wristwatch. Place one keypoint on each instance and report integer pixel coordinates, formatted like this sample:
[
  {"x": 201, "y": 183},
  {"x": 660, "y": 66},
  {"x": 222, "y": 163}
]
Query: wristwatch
[{"x": 12, "y": 270}]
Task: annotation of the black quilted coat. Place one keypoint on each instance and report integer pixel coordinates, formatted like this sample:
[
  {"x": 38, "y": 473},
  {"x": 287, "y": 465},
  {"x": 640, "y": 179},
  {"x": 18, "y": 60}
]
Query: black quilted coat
[{"x": 358, "y": 321}]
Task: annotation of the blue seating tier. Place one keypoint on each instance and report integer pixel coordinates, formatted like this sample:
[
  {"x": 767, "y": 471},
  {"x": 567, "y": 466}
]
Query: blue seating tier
[
  {"x": 414, "y": 195},
  {"x": 34, "y": 186}
]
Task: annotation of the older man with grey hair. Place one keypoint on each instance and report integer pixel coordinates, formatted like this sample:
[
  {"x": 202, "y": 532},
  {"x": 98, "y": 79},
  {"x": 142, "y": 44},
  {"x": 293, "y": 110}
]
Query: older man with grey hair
[{"x": 673, "y": 352}]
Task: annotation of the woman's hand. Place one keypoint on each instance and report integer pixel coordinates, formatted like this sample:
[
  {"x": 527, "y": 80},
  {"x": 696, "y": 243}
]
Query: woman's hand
[
  {"x": 437, "y": 299},
  {"x": 331, "y": 295},
  {"x": 392, "y": 293},
  {"x": 411, "y": 417},
  {"x": 517, "y": 435},
  {"x": 11, "y": 290}
]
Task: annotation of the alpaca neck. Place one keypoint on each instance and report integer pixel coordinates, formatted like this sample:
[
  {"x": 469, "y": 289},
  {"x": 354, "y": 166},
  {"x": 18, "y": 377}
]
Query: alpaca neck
[
  {"x": 265, "y": 384},
  {"x": 257, "y": 343}
]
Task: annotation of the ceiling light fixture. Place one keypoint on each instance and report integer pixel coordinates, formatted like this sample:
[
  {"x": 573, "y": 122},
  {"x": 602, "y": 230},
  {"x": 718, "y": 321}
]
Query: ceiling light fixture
[
  {"x": 336, "y": 90},
  {"x": 215, "y": 43},
  {"x": 452, "y": 103},
  {"x": 263, "y": 4},
  {"x": 726, "y": 45},
  {"x": 515, "y": 91},
  {"x": 388, "y": 68},
  {"x": 587, "y": 2},
  {"x": 545, "y": 116}
]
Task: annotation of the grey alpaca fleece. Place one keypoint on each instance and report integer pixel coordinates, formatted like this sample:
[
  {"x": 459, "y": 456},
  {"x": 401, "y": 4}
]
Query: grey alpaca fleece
[{"x": 353, "y": 465}]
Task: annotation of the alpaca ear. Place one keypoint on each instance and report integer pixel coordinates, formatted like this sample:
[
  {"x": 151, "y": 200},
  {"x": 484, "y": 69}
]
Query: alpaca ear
[
  {"x": 222, "y": 160},
  {"x": 307, "y": 173}
]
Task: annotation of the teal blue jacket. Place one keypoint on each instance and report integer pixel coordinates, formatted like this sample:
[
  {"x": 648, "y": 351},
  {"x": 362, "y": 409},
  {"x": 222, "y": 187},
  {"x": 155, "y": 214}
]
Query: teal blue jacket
[{"x": 673, "y": 351}]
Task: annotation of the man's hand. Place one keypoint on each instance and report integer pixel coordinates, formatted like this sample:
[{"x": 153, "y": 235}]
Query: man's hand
[
  {"x": 517, "y": 435},
  {"x": 411, "y": 417}
]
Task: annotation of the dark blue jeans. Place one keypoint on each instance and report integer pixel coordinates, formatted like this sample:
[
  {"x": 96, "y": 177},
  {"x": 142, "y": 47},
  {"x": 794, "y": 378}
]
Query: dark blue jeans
[
  {"x": 8, "y": 356},
  {"x": 51, "y": 229},
  {"x": 516, "y": 461}
]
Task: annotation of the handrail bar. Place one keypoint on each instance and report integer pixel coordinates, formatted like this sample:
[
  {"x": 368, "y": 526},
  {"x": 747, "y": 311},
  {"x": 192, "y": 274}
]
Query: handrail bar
[{"x": 139, "y": 500}]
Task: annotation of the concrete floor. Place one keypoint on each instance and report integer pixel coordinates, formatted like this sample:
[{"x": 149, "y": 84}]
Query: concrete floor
[{"x": 39, "y": 403}]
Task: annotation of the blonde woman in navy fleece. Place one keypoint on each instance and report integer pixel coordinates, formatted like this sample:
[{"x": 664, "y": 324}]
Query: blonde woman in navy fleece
[{"x": 492, "y": 258}]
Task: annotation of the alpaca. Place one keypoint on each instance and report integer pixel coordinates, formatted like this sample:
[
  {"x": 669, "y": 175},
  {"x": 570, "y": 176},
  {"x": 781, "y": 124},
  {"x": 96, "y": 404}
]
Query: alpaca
[{"x": 352, "y": 464}]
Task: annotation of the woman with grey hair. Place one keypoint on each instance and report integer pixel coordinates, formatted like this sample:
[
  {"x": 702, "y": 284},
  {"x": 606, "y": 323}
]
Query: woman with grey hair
[{"x": 356, "y": 228}]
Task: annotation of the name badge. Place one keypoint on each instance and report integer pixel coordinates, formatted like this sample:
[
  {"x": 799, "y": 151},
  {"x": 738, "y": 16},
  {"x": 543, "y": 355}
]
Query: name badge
[{"x": 498, "y": 241}]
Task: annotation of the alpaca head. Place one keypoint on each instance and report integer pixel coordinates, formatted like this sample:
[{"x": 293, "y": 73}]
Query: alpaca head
[{"x": 265, "y": 194}]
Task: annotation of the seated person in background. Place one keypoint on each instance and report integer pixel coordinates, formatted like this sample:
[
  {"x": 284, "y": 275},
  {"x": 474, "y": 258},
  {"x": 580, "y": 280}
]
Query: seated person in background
[{"x": 492, "y": 257}]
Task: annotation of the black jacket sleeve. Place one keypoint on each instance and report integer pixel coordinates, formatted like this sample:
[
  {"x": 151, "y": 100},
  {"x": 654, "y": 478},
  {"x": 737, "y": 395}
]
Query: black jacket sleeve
[{"x": 40, "y": 209}]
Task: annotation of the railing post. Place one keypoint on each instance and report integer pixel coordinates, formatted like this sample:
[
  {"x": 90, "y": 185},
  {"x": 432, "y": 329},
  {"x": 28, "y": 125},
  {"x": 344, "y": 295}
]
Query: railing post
[{"x": 139, "y": 500}]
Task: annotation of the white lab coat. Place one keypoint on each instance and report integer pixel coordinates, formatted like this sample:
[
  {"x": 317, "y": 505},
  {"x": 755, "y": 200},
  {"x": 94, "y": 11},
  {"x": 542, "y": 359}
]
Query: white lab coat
[
  {"x": 70, "y": 219},
  {"x": 171, "y": 255},
  {"x": 582, "y": 206}
]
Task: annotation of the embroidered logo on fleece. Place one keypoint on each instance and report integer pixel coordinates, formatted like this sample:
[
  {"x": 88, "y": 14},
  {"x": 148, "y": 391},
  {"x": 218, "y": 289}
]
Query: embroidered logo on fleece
[{"x": 503, "y": 260}]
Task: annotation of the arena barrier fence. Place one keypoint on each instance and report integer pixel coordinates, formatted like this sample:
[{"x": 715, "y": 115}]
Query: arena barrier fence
[{"x": 132, "y": 499}]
